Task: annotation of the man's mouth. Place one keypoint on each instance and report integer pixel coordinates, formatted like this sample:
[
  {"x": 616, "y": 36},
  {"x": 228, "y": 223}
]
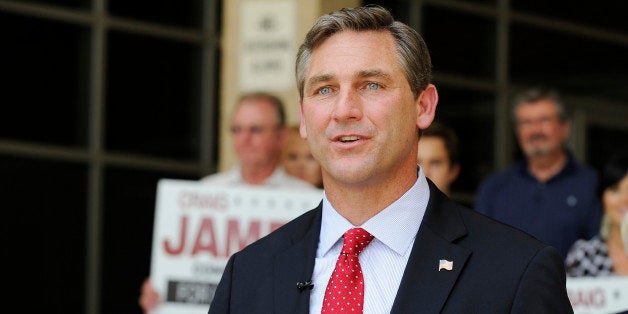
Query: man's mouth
[
  {"x": 537, "y": 137},
  {"x": 346, "y": 139}
]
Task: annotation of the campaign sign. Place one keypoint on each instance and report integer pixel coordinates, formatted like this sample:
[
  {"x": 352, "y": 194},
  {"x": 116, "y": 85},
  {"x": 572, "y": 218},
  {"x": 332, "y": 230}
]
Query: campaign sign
[
  {"x": 598, "y": 295},
  {"x": 198, "y": 227}
]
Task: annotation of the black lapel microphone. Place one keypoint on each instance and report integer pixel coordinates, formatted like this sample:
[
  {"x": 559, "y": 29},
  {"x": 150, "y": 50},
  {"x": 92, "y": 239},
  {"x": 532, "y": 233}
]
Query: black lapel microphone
[{"x": 302, "y": 285}]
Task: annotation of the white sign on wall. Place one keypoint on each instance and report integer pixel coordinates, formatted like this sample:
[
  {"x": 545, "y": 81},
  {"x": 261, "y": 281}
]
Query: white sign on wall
[
  {"x": 266, "y": 48},
  {"x": 197, "y": 228}
]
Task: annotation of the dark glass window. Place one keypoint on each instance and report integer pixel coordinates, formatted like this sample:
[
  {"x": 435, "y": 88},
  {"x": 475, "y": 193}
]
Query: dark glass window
[
  {"x": 44, "y": 203},
  {"x": 609, "y": 14},
  {"x": 399, "y": 9},
  {"x": 128, "y": 232},
  {"x": 66, "y": 3},
  {"x": 471, "y": 115},
  {"x": 485, "y": 2},
  {"x": 152, "y": 96},
  {"x": 174, "y": 13},
  {"x": 603, "y": 142},
  {"x": 573, "y": 64},
  {"x": 44, "y": 75},
  {"x": 460, "y": 43}
]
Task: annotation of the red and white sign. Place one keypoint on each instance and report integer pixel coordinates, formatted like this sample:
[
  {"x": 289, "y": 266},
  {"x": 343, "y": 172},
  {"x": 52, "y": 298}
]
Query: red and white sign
[
  {"x": 197, "y": 228},
  {"x": 598, "y": 295}
]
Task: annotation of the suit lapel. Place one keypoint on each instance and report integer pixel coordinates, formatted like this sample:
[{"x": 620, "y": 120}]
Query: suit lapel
[
  {"x": 296, "y": 264},
  {"x": 423, "y": 286}
]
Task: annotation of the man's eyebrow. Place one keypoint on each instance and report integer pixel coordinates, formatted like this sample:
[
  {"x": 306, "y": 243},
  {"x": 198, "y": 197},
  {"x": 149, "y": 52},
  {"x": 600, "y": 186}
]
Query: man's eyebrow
[
  {"x": 373, "y": 73},
  {"x": 362, "y": 74},
  {"x": 319, "y": 78}
]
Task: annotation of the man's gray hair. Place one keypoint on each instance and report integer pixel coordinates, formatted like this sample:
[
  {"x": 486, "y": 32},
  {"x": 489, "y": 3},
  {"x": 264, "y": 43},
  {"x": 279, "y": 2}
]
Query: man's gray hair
[
  {"x": 412, "y": 51},
  {"x": 536, "y": 94}
]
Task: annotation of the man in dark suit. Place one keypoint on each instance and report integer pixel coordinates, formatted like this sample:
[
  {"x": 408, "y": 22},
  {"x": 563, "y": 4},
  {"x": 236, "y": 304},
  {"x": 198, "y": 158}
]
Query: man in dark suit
[{"x": 365, "y": 94}]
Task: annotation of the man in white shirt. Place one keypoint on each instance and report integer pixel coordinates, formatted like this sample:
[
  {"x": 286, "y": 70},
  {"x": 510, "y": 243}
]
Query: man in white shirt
[{"x": 258, "y": 130}]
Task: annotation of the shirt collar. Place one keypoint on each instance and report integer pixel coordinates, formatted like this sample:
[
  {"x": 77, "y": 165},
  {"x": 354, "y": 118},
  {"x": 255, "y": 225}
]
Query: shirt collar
[
  {"x": 395, "y": 226},
  {"x": 569, "y": 167}
]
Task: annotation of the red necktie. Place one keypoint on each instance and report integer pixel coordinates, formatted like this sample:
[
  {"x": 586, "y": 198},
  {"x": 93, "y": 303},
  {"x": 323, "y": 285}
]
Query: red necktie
[{"x": 345, "y": 290}]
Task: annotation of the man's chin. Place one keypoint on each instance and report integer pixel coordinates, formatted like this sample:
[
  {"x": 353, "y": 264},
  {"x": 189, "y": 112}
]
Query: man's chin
[{"x": 537, "y": 152}]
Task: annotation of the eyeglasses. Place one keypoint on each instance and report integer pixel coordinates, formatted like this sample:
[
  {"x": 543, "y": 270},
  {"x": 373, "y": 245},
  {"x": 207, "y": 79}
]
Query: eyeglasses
[
  {"x": 253, "y": 130},
  {"x": 525, "y": 123}
]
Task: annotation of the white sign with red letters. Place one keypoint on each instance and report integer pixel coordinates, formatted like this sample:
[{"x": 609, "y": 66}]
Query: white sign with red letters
[
  {"x": 598, "y": 295},
  {"x": 198, "y": 227}
]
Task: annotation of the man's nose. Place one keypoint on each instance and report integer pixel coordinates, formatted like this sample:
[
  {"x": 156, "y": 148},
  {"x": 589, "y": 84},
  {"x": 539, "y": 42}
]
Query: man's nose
[{"x": 348, "y": 105}]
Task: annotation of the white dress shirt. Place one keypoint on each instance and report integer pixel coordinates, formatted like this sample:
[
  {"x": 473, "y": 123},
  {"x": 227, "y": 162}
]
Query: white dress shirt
[
  {"x": 279, "y": 179},
  {"x": 384, "y": 259}
]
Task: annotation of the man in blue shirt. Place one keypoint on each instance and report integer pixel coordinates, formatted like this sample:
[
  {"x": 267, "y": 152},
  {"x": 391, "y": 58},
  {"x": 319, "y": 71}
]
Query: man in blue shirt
[{"x": 549, "y": 194}]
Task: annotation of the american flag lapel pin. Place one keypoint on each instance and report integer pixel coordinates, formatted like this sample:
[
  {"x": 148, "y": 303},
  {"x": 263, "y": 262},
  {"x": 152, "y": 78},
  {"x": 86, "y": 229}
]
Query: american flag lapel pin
[{"x": 445, "y": 264}]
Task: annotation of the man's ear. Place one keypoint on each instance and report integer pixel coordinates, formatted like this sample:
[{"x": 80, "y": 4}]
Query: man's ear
[{"x": 426, "y": 105}]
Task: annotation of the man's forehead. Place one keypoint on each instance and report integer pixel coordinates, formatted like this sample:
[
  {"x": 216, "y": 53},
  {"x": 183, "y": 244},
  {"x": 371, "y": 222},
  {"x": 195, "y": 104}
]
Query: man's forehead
[
  {"x": 369, "y": 47},
  {"x": 538, "y": 105},
  {"x": 253, "y": 120},
  {"x": 255, "y": 112}
]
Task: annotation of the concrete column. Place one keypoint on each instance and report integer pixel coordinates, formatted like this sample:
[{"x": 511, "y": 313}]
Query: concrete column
[{"x": 306, "y": 13}]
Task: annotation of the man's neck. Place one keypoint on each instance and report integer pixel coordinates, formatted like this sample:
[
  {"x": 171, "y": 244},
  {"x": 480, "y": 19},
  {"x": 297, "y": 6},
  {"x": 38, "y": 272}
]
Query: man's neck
[
  {"x": 359, "y": 203},
  {"x": 257, "y": 175},
  {"x": 547, "y": 166}
]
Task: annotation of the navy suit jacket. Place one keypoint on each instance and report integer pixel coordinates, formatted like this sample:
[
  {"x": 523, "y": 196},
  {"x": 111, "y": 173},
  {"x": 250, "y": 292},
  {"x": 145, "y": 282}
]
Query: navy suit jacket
[{"x": 496, "y": 268}]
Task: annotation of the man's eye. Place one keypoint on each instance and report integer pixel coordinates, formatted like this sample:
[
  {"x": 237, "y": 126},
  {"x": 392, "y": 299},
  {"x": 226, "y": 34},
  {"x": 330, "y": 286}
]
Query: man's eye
[
  {"x": 257, "y": 129},
  {"x": 372, "y": 86},
  {"x": 524, "y": 122},
  {"x": 324, "y": 91}
]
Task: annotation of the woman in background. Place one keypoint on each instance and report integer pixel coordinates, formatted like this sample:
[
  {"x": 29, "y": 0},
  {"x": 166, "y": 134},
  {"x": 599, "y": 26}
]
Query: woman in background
[
  {"x": 607, "y": 253},
  {"x": 298, "y": 161}
]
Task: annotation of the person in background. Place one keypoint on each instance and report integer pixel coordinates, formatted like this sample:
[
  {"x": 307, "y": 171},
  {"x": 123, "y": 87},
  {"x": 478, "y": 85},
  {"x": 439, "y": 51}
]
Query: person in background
[
  {"x": 259, "y": 133},
  {"x": 258, "y": 130},
  {"x": 364, "y": 95},
  {"x": 298, "y": 161},
  {"x": 438, "y": 155},
  {"x": 607, "y": 253},
  {"x": 548, "y": 194}
]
